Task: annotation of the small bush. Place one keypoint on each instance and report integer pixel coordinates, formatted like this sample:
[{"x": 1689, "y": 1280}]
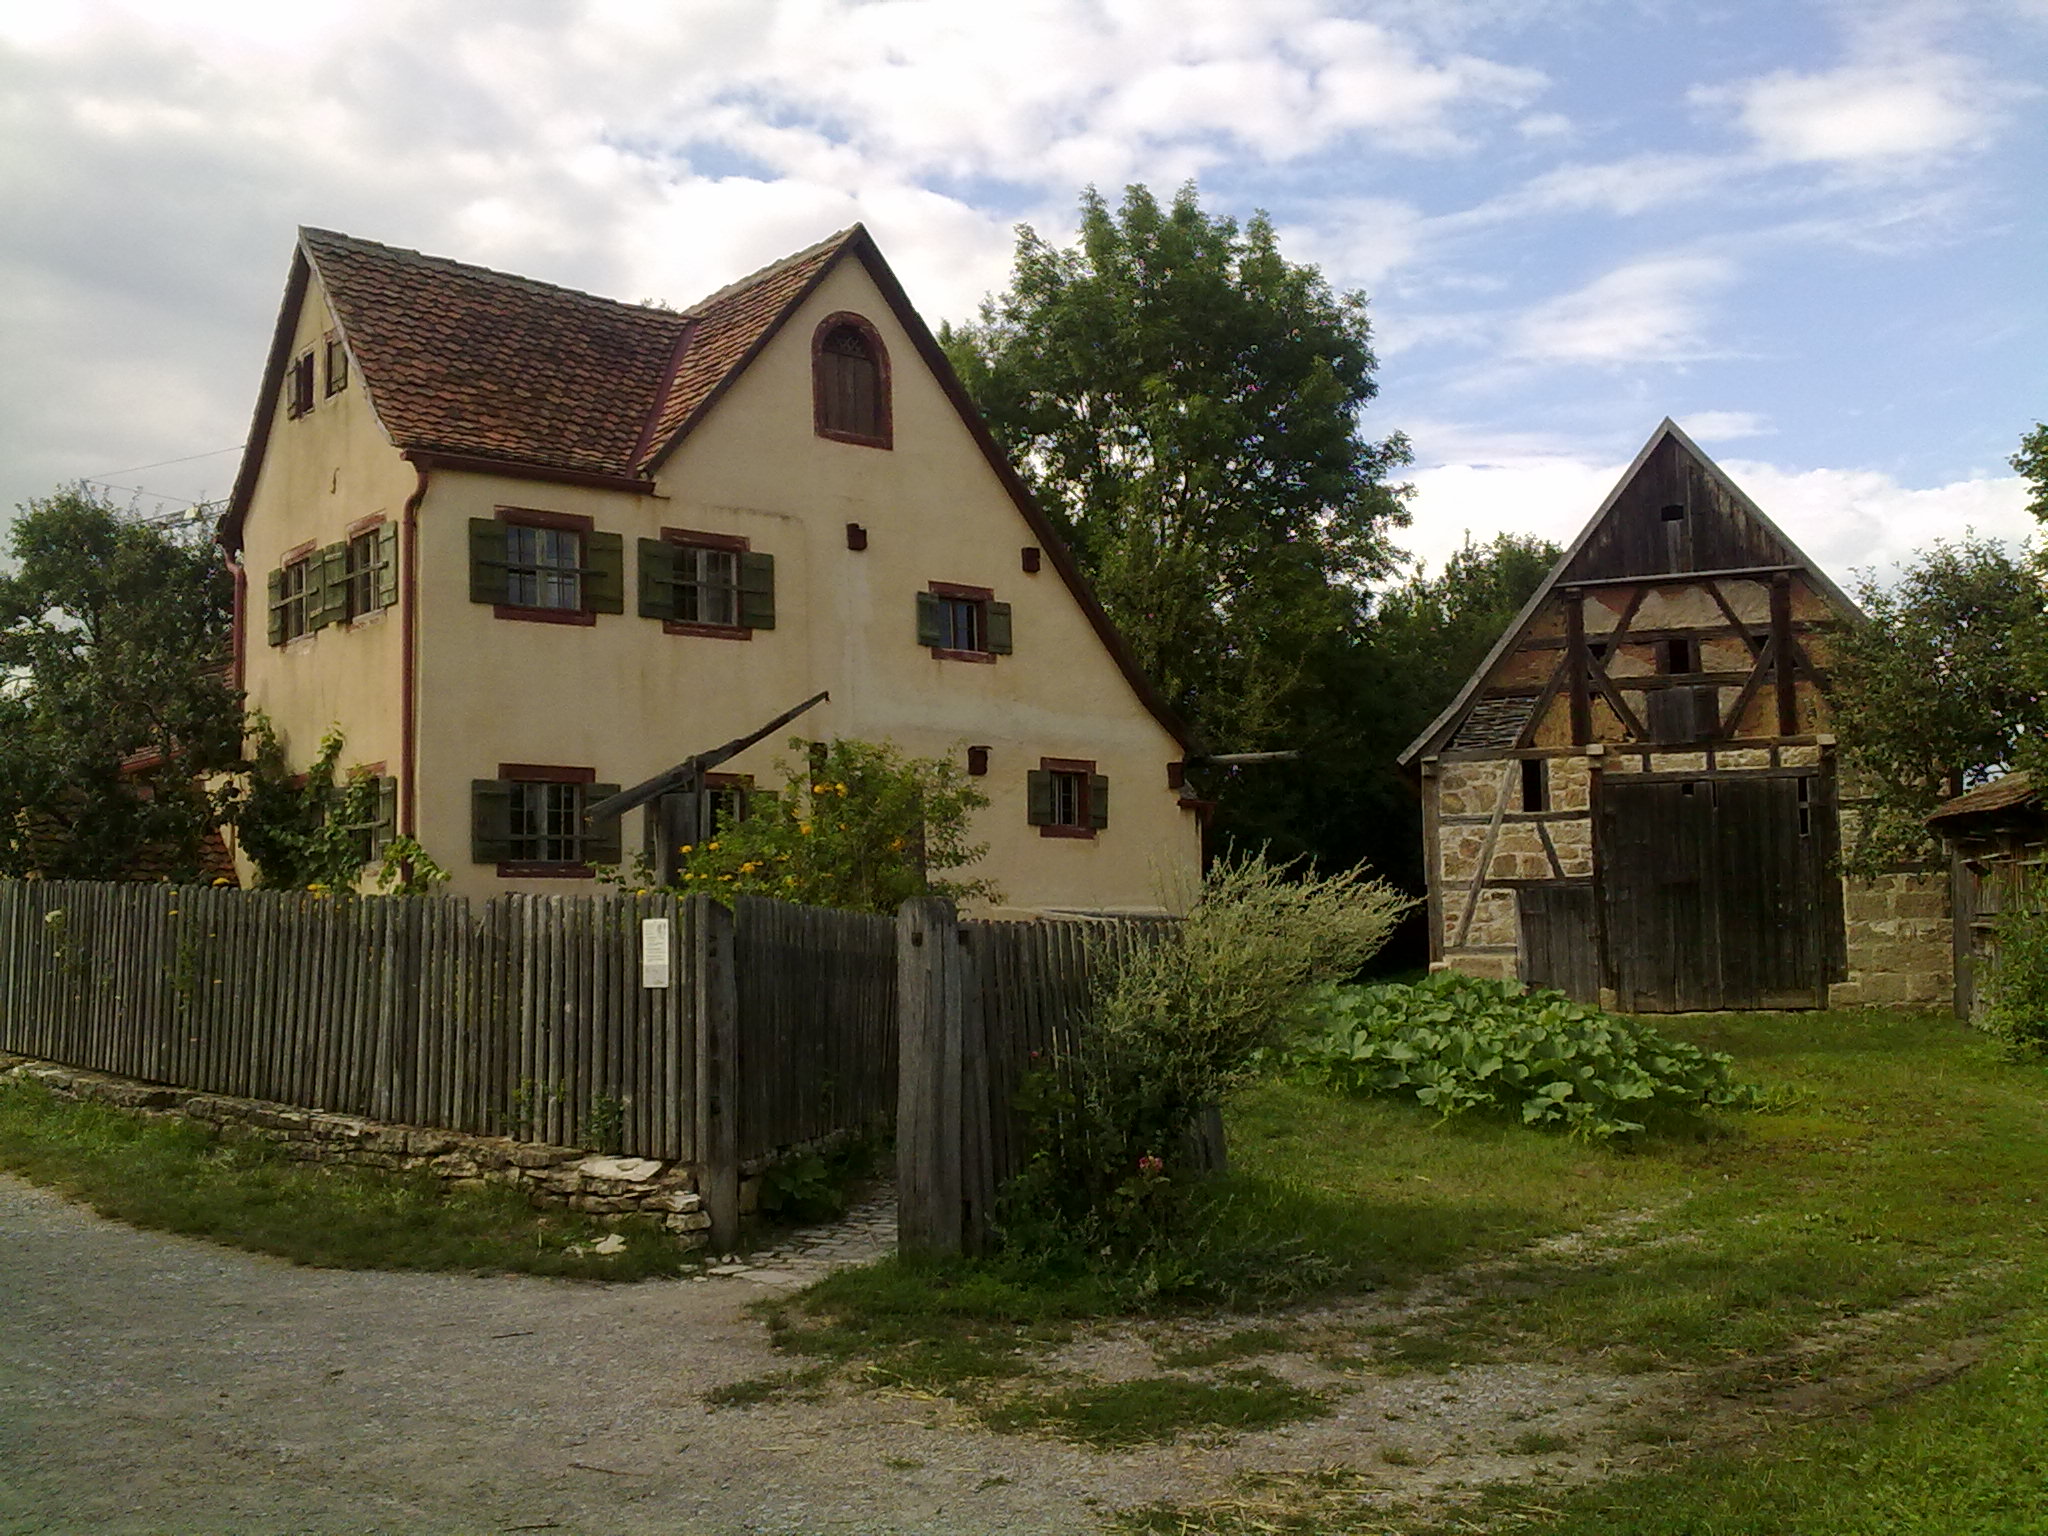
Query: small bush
[
  {"x": 1178, "y": 1025},
  {"x": 1457, "y": 1044},
  {"x": 2017, "y": 1012}
]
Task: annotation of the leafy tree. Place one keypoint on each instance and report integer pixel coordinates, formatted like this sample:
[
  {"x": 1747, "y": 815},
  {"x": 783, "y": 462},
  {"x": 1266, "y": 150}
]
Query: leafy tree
[
  {"x": 2032, "y": 463},
  {"x": 1185, "y": 402},
  {"x": 113, "y": 638},
  {"x": 1940, "y": 691},
  {"x": 1432, "y": 632},
  {"x": 1394, "y": 669},
  {"x": 862, "y": 827}
]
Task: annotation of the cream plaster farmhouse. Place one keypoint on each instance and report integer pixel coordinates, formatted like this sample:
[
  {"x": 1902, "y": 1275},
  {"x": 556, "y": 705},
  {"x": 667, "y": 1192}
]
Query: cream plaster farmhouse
[{"x": 523, "y": 545}]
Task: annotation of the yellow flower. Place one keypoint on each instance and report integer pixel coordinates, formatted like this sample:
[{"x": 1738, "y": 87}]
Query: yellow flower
[
  {"x": 819, "y": 789},
  {"x": 221, "y": 880},
  {"x": 895, "y": 843},
  {"x": 840, "y": 787},
  {"x": 804, "y": 827},
  {"x": 789, "y": 879},
  {"x": 711, "y": 845},
  {"x": 688, "y": 846}
]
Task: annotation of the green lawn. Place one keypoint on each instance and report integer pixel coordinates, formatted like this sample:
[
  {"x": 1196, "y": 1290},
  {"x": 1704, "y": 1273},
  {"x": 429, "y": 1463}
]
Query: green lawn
[
  {"x": 180, "y": 1176},
  {"x": 1849, "y": 1250}
]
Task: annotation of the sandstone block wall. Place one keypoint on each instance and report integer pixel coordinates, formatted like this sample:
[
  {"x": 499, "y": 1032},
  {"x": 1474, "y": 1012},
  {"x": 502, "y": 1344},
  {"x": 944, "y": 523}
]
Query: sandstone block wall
[
  {"x": 1899, "y": 943},
  {"x": 566, "y": 1176}
]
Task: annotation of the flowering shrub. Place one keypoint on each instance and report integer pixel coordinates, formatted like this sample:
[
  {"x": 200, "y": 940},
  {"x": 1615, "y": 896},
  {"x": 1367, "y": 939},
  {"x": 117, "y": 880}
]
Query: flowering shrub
[
  {"x": 862, "y": 828},
  {"x": 1457, "y": 1044}
]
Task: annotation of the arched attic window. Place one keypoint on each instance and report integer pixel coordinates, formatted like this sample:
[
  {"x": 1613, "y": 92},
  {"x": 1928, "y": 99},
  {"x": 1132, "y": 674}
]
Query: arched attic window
[{"x": 850, "y": 382}]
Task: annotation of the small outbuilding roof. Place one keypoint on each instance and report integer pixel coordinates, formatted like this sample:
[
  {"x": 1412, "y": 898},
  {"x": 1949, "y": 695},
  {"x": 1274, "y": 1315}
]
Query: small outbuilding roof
[{"x": 2011, "y": 792}]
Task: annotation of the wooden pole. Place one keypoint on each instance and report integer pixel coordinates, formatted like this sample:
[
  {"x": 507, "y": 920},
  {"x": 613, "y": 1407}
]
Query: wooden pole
[
  {"x": 928, "y": 1214},
  {"x": 718, "y": 1099},
  {"x": 1781, "y": 644}
]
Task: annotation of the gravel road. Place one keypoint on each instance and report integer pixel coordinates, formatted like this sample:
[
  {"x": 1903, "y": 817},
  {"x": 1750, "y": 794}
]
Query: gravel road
[{"x": 157, "y": 1384}]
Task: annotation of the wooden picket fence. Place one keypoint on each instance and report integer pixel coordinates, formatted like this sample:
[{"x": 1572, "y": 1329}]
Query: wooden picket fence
[
  {"x": 525, "y": 1016},
  {"x": 532, "y": 1017}
]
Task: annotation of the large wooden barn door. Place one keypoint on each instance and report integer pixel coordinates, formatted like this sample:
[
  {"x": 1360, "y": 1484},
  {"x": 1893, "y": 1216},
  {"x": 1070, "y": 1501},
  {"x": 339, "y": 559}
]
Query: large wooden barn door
[
  {"x": 1713, "y": 891},
  {"x": 1560, "y": 947}
]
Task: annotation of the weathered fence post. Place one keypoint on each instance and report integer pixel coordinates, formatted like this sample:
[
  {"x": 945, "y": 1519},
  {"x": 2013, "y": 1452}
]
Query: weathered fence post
[
  {"x": 718, "y": 1077},
  {"x": 929, "y": 1019},
  {"x": 977, "y": 1107}
]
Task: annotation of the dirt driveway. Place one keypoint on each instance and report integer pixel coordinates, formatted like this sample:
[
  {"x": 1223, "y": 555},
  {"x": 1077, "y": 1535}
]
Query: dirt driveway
[{"x": 160, "y": 1384}]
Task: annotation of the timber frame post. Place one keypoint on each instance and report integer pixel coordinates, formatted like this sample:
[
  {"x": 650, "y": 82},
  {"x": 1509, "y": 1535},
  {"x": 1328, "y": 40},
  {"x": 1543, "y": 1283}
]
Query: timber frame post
[{"x": 1575, "y": 661}]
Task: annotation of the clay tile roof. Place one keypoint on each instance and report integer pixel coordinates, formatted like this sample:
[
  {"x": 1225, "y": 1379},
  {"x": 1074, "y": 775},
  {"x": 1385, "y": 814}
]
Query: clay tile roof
[
  {"x": 464, "y": 360},
  {"x": 2001, "y": 794},
  {"x": 727, "y": 326}
]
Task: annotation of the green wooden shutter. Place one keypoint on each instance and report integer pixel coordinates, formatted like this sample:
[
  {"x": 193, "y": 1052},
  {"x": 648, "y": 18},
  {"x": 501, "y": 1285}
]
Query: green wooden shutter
[
  {"x": 1038, "y": 798},
  {"x": 999, "y": 628},
  {"x": 486, "y": 560},
  {"x": 385, "y": 827},
  {"x": 386, "y": 595},
  {"x": 1098, "y": 801},
  {"x": 277, "y": 606},
  {"x": 601, "y": 841},
  {"x": 327, "y": 587},
  {"x": 929, "y": 631},
  {"x": 657, "y": 579},
  {"x": 490, "y": 820},
  {"x": 604, "y": 573},
  {"x": 757, "y": 591}
]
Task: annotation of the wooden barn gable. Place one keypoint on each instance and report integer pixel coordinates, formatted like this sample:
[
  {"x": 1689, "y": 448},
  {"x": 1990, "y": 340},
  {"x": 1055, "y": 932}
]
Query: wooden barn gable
[{"x": 1673, "y": 514}]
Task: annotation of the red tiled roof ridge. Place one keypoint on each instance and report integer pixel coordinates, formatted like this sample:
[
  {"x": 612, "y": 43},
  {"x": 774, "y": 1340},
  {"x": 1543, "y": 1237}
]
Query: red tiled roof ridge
[
  {"x": 408, "y": 255},
  {"x": 773, "y": 269}
]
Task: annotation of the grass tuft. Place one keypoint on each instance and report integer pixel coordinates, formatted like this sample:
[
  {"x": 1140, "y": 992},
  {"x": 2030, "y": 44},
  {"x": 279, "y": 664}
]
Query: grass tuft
[{"x": 1155, "y": 1408}]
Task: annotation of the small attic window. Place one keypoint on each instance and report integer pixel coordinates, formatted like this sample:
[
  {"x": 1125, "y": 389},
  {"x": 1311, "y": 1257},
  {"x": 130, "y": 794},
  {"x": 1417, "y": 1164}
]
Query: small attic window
[
  {"x": 1674, "y": 513},
  {"x": 334, "y": 363},
  {"x": 850, "y": 382},
  {"x": 298, "y": 386}
]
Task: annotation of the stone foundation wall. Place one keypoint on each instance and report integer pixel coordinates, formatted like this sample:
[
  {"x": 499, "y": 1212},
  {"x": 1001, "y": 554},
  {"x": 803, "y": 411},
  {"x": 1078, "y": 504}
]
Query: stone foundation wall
[
  {"x": 1899, "y": 943},
  {"x": 565, "y": 1176}
]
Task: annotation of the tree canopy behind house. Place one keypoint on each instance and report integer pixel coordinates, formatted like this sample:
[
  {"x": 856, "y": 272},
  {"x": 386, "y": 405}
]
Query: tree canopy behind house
[
  {"x": 1186, "y": 403},
  {"x": 114, "y": 698}
]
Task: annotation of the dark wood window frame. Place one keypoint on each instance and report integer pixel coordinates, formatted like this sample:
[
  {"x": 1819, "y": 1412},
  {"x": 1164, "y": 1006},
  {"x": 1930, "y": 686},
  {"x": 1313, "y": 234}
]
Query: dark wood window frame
[
  {"x": 1080, "y": 772},
  {"x": 538, "y": 869},
  {"x": 879, "y": 355},
  {"x": 565, "y": 522},
  {"x": 334, "y": 363},
  {"x": 953, "y": 591},
  {"x": 298, "y": 385},
  {"x": 697, "y": 538}
]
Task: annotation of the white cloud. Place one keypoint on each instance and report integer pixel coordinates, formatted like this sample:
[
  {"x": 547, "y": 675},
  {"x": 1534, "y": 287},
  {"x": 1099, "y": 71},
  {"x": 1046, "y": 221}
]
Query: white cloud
[
  {"x": 1878, "y": 116},
  {"x": 1622, "y": 187},
  {"x": 1862, "y": 519},
  {"x": 1650, "y": 311},
  {"x": 1847, "y": 520},
  {"x": 1544, "y": 125},
  {"x": 1725, "y": 426}
]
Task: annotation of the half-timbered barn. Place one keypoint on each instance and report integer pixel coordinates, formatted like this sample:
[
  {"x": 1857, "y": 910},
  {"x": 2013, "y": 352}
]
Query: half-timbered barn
[{"x": 1635, "y": 798}]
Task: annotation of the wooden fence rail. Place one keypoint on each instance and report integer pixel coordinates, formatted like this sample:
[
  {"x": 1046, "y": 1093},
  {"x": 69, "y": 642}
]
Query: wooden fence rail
[{"x": 525, "y": 1017}]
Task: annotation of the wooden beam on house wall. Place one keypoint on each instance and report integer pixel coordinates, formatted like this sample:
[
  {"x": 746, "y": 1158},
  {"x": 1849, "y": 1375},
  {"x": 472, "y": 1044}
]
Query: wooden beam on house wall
[
  {"x": 1575, "y": 640},
  {"x": 1781, "y": 643}
]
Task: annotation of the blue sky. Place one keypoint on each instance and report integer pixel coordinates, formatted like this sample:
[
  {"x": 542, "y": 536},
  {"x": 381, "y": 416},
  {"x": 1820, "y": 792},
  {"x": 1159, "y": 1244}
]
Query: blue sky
[{"x": 1814, "y": 234}]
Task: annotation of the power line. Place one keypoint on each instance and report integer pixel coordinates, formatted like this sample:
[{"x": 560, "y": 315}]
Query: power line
[{"x": 136, "y": 469}]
